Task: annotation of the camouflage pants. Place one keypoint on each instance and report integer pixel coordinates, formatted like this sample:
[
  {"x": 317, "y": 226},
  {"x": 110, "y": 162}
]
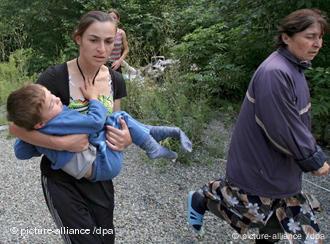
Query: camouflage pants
[{"x": 294, "y": 215}]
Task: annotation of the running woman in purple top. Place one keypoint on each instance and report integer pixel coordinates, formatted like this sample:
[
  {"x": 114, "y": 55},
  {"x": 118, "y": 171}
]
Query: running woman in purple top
[{"x": 272, "y": 144}]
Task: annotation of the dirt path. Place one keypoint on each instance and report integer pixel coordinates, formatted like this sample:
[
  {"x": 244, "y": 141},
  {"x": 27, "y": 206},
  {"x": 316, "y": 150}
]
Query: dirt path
[{"x": 150, "y": 201}]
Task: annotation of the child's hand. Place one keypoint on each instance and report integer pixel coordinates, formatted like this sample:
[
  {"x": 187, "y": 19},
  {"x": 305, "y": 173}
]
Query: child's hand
[{"x": 90, "y": 90}]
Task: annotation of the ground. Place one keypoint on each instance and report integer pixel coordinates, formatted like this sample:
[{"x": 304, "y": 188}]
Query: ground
[{"x": 150, "y": 199}]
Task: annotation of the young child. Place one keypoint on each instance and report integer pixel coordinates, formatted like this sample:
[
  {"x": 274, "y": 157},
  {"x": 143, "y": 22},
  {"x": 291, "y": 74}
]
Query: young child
[{"x": 34, "y": 107}]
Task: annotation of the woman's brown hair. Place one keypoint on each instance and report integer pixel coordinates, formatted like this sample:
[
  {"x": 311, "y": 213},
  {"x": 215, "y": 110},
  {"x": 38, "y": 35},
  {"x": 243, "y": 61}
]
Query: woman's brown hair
[
  {"x": 112, "y": 10},
  {"x": 88, "y": 19},
  {"x": 299, "y": 21}
]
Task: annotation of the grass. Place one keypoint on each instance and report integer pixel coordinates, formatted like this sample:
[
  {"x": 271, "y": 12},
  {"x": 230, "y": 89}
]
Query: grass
[{"x": 3, "y": 119}]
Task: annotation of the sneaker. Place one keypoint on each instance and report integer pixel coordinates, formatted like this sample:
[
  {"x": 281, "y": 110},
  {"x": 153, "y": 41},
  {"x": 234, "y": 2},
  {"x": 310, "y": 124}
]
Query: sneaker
[{"x": 195, "y": 219}]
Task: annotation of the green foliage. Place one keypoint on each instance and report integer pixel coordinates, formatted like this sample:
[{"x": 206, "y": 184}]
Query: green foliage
[
  {"x": 149, "y": 27},
  {"x": 11, "y": 38},
  {"x": 211, "y": 70},
  {"x": 13, "y": 74},
  {"x": 201, "y": 14},
  {"x": 193, "y": 46},
  {"x": 219, "y": 45},
  {"x": 173, "y": 103},
  {"x": 45, "y": 26},
  {"x": 220, "y": 49},
  {"x": 320, "y": 90},
  {"x": 133, "y": 103}
]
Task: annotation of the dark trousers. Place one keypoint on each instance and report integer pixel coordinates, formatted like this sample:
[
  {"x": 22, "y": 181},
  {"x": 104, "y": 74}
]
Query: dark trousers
[
  {"x": 82, "y": 210},
  {"x": 292, "y": 215},
  {"x": 273, "y": 229}
]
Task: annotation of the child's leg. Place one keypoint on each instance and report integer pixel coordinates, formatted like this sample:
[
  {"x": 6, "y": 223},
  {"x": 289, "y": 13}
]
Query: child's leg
[
  {"x": 141, "y": 136},
  {"x": 155, "y": 150},
  {"x": 108, "y": 162},
  {"x": 163, "y": 132}
]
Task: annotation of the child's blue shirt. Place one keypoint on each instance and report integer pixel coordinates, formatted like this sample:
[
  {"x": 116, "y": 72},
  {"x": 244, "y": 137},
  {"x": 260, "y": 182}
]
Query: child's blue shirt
[{"x": 67, "y": 122}]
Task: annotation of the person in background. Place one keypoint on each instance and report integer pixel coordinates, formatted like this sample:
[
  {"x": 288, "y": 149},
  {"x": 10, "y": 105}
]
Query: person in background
[
  {"x": 272, "y": 145},
  {"x": 120, "y": 49},
  {"x": 82, "y": 205}
]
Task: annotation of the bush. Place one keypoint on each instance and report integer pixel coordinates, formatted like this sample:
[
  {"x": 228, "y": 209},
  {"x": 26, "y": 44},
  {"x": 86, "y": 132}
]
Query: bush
[
  {"x": 320, "y": 90},
  {"x": 13, "y": 74},
  {"x": 172, "y": 103}
]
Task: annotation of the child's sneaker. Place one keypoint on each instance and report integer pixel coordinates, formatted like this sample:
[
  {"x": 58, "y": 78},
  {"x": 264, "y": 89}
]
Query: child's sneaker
[{"x": 196, "y": 210}]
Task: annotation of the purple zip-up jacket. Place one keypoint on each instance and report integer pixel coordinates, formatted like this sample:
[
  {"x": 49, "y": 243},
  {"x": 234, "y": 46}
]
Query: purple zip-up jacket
[{"x": 272, "y": 142}]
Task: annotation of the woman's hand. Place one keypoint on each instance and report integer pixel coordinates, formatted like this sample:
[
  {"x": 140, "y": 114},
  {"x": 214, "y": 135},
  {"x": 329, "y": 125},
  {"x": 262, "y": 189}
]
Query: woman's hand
[
  {"x": 116, "y": 64},
  {"x": 324, "y": 170},
  {"x": 118, "y": 139}
]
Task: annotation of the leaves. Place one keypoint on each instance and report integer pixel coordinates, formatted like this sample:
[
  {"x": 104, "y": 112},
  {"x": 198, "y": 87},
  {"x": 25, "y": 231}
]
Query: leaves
[
  {"x": 219, "y": 44},
  {"x": 320, "y": 89}
]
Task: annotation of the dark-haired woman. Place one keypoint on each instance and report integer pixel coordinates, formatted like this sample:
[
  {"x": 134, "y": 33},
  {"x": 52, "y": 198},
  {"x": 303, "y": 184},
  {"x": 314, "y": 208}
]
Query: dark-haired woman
[
  {"x": 83, "y": 208},
  {"x": 272, "y": 145}
]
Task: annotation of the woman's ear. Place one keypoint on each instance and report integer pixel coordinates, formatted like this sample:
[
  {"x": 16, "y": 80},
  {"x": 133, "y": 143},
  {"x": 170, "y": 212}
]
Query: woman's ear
[
  {"x": 285, "y": 38},
  {"x": 78, "y": 40},
  {"x": 39, "y": 125}
]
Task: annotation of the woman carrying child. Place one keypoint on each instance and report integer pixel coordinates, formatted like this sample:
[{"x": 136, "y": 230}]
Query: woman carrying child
[{"x": 82, "y": 204}]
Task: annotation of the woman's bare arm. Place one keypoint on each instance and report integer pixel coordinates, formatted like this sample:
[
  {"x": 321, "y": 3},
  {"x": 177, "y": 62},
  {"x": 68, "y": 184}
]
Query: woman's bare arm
[
  {"x": 125, "y": 46},
  {"x": 116, "y": 105},
  {"x": 72, "y": 143}
]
